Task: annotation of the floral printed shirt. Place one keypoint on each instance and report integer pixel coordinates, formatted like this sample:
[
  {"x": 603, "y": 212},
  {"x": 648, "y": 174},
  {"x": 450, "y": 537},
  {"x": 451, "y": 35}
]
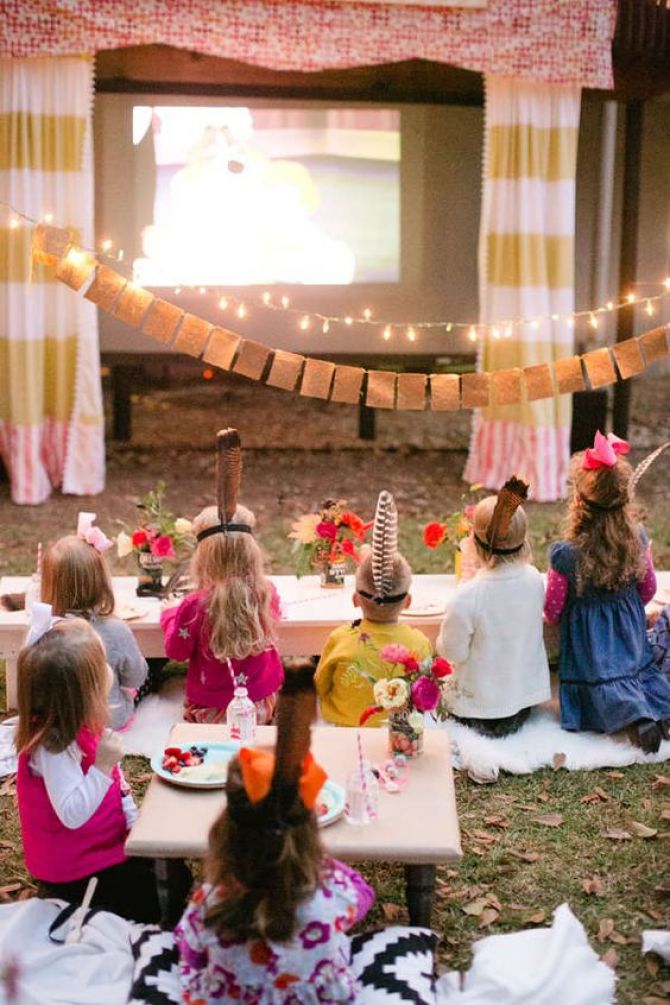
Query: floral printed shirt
[{"x": 312, "y": 968}]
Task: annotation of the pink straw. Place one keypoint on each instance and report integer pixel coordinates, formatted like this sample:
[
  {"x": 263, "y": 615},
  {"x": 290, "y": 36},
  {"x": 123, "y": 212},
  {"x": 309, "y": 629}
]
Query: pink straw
[{"x": 361, "y": 769}]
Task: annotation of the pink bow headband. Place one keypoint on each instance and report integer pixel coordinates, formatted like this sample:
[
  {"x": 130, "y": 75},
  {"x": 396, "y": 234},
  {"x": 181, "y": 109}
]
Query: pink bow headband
[
  {"x": 92, "y": 535},
  {"x": 604, "y": 452}
]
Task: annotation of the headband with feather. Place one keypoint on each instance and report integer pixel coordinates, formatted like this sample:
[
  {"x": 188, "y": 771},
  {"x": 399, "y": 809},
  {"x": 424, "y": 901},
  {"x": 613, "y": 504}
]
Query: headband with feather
[
  {"x": 384, "y": 552},
  {"x": 513, "y": 493},
  {"x": 645, "y": 464},
  {"x": 228, "y": 481}
]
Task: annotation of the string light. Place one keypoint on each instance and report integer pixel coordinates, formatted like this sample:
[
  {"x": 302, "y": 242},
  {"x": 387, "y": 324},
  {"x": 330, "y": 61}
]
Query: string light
[
  {"x": 449, "y": 327},
  {"x": 508, "y": 331},
  {"x": 223, "y": 303},
  {"x": 593, "y": 321},
  {"x": 48, "y": 218},
  {"x": 367, "y": 314},
  {"x": 325, "y": 327},
  {"x": 534, "y": 324},
  {"x": 14, "y": 223},
  {"x": 202, "y": 290},
  {"x": 666, "y": 283},
  {"x": 570, "y": 322},
  {"x": 348, "y": 320},
  {"x": 266, "y": 298},
  {"x": 649, "y": 308},
  {"x": 241, "y": 311},
  {"x": 285, "y": 302},
  {"x": 387, "y": 332},
  {"x": 631, "y": 298},
  {"x": 610, "y": 305},
  {"x": 106, "y": 245},
  {"x": 472, "y": 334},
  {"x": 411, "y": 334},
  {"x": 495, "y": 332},
  {"x": 177, "y": 291},
  {"x": 304, "y": 323}
]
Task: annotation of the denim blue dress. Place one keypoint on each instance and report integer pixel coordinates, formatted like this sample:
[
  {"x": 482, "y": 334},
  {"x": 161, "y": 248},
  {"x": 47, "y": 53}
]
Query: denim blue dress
[{"x": 608, "y": 678}]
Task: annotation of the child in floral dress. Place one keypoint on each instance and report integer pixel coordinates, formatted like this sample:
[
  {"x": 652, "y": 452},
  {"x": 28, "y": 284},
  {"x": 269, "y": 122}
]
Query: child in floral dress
[{"x": 268, "y": 927}]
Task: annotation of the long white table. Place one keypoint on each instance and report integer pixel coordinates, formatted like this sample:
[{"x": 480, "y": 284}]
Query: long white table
[
  {"x": 417, "y": 828},
  {"x": 309, "y": 614}
]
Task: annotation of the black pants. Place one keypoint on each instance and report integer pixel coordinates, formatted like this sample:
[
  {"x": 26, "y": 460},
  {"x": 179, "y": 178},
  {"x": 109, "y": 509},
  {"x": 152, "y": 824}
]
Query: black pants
[
  {"x": 496, "y": 727},
  {"x": 128, "y": 889}
]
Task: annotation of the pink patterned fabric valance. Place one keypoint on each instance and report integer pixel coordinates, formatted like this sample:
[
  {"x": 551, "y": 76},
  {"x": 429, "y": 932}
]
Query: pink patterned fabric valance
[{"x": 555, "y": 41}]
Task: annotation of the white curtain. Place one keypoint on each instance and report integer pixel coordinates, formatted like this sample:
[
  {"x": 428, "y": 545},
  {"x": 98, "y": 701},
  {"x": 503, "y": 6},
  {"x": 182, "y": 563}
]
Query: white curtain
[
  {"x": 51, "y": 417},
  {"x": 526, "y": 267}
]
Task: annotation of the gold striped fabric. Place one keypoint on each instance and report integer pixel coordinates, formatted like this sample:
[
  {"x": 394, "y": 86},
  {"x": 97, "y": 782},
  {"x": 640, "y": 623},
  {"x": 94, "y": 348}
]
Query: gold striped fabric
[
  {"x": 530, "y": 260},
  {"x": 40, "y": 142},
  {"x": 43, "y": 372},
  {"x": 526, "y": 151}
]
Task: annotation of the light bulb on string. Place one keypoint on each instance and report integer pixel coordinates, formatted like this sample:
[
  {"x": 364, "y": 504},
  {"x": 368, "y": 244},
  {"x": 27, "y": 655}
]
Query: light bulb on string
[
  {"x": 666, "y": 282},
  {"x": 367, "y": 314},
  {"x": 535, "y": 325},
  {"x": 14, "y": 223},
  {"x": 304, "y": 323},
  {"x": 177, "y": 290},
  {"x": 348, "y": 320},
  {"x": 630, "y": 298},
  {"x": 508, "y": 331},
  {"x": 610, "y": 305},
  {"x": 285, "y": 302},
  {"x": 119, "y": 255},
  {"x": 202, "y": 290},
  {"x": 223, "y": 303},
  {"x": 386, "y": 334},
  {"x": 472, "y": 333},
  {"x": 495, "y": 332},
  {"x": 411, "y": 334},
  {"x": 266, "y": 298},
  {"x": 570, "y": 322},
  {"x": 593, "y": 321},
  {"x": 554, "y": 317},
  {"x": 325, "y": 327},
  {"x": 449, "y": 326},
  {"x": 106, "y": 245},
  {"x": 48, "y": 218},
  {"x": 649, "y": 308},
  {"x": 241, "y": 311}
]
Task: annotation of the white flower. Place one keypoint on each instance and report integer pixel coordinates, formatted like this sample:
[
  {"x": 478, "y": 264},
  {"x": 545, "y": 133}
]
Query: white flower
[
  {"x": 182, "y": 525},
  {"x": 392, "y": 693},
  {"x": 124, "y": 544},
  {"x": 415, "y": 720}
]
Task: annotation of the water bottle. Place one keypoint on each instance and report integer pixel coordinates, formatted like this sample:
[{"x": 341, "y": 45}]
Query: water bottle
[
  {"x": 362, "y": 796},
  {"x": 241, "y": 717}
]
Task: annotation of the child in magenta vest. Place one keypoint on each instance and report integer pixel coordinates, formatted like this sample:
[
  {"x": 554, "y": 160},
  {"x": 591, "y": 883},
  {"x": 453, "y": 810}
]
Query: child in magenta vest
[
  {"x": 74, "y": 805},
  {"x": 226, "y": 628}
]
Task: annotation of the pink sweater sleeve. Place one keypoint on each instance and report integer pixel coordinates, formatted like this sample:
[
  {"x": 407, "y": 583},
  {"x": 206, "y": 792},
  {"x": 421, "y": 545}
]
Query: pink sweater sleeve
[
  {"x": 275, "y": 604},
  {"x": 555, "y": 597},
  {"x": 646, "y": 586},
  {"x": 180, "y": 628}
]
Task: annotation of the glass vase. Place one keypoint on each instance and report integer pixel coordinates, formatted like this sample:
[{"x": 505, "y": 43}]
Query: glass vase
[
  {"x": 150, "y": 575},
  {"x": 332, "y": 575},
  {"x": 405, "y": 737}
]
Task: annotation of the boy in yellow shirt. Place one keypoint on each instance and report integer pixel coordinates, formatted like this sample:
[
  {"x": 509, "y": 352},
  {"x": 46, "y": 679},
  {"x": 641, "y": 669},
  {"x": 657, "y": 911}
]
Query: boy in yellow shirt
[{"x": 351, "y": 659}]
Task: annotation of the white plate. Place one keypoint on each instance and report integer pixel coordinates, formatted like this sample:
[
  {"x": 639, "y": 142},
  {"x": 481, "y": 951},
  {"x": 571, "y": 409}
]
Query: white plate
[
  {"x": 332, "y": 796},
  {"x": 188, "y": 777},
  {"x": 423, "y": 611}
]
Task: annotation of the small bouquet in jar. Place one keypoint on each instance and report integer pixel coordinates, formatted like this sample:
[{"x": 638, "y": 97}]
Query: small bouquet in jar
[
  {"x": 452, "y": 532},
  {"x": 158, "y": 538},
  {"x": 326, "y": 540}
]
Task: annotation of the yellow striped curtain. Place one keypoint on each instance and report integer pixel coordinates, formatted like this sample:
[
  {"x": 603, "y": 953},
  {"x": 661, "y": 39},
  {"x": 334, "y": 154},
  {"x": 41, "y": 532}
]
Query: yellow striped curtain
[
  {"x": 526, "y": 265},
  {"x": 51, "y": 419}
]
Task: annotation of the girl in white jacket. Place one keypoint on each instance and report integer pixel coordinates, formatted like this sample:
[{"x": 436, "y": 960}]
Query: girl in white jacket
[{"x": 492, "y": 630}]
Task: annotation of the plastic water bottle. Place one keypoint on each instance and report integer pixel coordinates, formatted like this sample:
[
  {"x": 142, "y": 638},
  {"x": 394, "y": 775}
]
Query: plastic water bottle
[
  {"x": 362, "y": 796},
  {"x": 241, "y": 717}
]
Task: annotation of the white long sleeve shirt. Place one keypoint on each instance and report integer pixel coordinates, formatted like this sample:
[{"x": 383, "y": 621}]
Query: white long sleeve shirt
[
  {"x": 75, "y": 796},
  {"x": 492, "y": 634}
]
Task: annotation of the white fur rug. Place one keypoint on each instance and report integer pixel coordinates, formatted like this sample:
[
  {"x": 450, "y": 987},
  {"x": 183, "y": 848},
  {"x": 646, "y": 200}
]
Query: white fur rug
[
  {"x": 156, "y": 715},
  {"x": 541, "y": 743}
]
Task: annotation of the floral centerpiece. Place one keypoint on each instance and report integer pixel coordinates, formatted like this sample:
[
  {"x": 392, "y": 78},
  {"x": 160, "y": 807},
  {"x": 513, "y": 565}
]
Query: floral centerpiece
[
  {"x": 158, "y": 538},
  {"x": 418, "y": 686},
  {"x": 455, "y": 528},
  {"x": 326, "y": 540}
]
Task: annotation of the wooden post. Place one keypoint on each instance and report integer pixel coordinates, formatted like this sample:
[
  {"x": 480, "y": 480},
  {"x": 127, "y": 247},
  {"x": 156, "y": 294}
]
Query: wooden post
[{"x": 630, "y": 212}]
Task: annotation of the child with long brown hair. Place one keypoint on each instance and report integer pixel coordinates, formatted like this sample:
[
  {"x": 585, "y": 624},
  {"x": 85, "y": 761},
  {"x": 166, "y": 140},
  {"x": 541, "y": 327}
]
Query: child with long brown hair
[
  {"x": 74, "y": 806},
  {"x": 269, "y": 924},
  {"x": 226, "y": 628},
  {"x": 599, "y": 580},
  {"x": 76, "y": 581}
]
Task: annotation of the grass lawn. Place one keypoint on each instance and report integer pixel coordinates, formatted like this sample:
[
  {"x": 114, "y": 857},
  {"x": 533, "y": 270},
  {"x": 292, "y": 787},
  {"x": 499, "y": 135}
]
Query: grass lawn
[{"x": 598, "y": 840}]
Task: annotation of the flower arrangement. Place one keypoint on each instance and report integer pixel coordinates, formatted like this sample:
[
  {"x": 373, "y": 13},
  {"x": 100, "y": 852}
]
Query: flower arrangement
[
  {"x": 455, "y": 528},
  {"x": 328, "y": 537},
  {"x": 159, "y": 536},
  {"x": 418, "y": 687}
]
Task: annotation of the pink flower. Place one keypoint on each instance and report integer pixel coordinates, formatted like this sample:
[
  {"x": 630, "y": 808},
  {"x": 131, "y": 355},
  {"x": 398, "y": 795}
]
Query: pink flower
[
  {"x": 441, "y": 667},
  {"x": 425, "y": 693},
  {"x": 161, "y": 547},
  {"x": 395, "y": 653},
  {"x": 326, "y": 529}
]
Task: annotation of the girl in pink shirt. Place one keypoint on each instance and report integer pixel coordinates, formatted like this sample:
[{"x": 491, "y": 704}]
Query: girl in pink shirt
[
  {"x": 226, "y": 628},
  {"x": 74, "y": 805}
]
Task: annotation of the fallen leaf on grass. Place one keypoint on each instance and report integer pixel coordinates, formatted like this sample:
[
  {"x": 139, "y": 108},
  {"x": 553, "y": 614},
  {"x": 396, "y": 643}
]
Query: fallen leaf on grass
[
  {"x": 665, "y": 814},
  {"x": 660, "y": 782},
  {"x": 497, "y": 821},
  {"x": 8, "y": 787},
  {"x": 619, "y": 939},
  {"x": 558, "y": 761},
  {"x": 526, "y": 856},
  {"x": 542, "y": 797},
  {"x": 484, "y": 836},
  {"x": 475, "y": 907},
  {"x": 646, "y": 804},
  {"x": 477, "y": 850},
  {"x": 652, "y": 964},
  {"x": 610, "y": 957},
  {"x": 391, "y": 911},
  {"x": 654, "y": 1000},
  {"x": 593, "y": 886},
  {"x": 641, "y": 830},
  {"x": 8, "y": 845},
  {"x": 617, "y": 834},
  {"x": 656, "y": 915},
  {"x": 615, "y": 774},
  {"x": 536, "y": 918},
  {"x": 597, "y": 796},
  {"x": 605, "y": 929},
  {"x": 488, "y": 916},
  {"x": 550, "y": 820}
]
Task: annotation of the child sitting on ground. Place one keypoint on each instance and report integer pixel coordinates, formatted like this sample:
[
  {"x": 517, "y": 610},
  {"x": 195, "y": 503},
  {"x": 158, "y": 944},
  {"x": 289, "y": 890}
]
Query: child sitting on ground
[
  {"x": 269, "y": 924},
  {"x": 74, "y": 805},
  {"x": 351, "y": 659},
  {"x": 76, "y": 581},
  {"x": 492, "y": 630},
  {"x": 599, "y": 580}
]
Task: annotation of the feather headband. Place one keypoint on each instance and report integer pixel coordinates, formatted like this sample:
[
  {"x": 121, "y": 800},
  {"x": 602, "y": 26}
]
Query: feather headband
[
  {"x": 228, "y": 481},
  {"x": 513, "y": 493},
  {"x": 384, "y": 552}
]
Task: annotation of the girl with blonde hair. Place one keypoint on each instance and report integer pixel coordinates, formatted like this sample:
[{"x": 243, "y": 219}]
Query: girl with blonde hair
[
  {"x": 599, "y": 580},
  {"x": 226, "y": 628}
]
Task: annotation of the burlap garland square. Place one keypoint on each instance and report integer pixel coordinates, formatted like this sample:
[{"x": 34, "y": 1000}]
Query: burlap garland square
[
  {"x": 222, "y": 348},
  {"x": 506, "y": 386},
  {"x": 132, "y": 305},
  {"x": 412, "y": 391},
  {"x": 162, "y": 320},
  {"x": 317, "y": 378},
  {"x": 654, "y": 344},
  {"x": 628, "y": 358},
  {"x": 50, "y": 243},
  {"x": 538, "y": 381},
  {"x": 445, "y": 392},
  {"x": 74, "y": 269},
  {"x": 347, "y": 384},
  {"x": 285, "y": 370},
  {"x": 251, "y": 359},
  {"x": 105, "y": 288},
  {"x": 599, "y": 367},
  {"x": 380, "y": 391},
  {"x": 192, "y": 335},
  {"x": 569, "y": 375},
  {"x": 475, "y": 390}
]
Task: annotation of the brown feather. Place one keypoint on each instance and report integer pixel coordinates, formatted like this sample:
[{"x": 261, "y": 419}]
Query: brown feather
[
  {"x": 228, "y": 473},
  {"x": 511, "y": 495},
  {"x": 645, "y": 464},
  {"x": 296, "y": 711}
]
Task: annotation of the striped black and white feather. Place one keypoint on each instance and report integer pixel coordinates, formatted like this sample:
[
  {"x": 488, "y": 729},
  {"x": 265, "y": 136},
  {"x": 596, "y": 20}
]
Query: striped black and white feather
[
  {"x": 384, "y": 544},
  {"x": 644, "y": 465}
]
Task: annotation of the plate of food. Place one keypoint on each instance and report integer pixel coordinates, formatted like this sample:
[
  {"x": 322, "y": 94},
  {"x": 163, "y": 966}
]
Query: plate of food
[
  {"x": 429, "y": 610},
  {"x": 195, "y": 765},
  {"x": 329, "y": 805}
]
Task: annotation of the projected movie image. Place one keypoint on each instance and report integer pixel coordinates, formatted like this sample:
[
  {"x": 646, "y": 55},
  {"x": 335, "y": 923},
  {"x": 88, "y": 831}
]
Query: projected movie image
[{"x": 232, "y": 196}]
